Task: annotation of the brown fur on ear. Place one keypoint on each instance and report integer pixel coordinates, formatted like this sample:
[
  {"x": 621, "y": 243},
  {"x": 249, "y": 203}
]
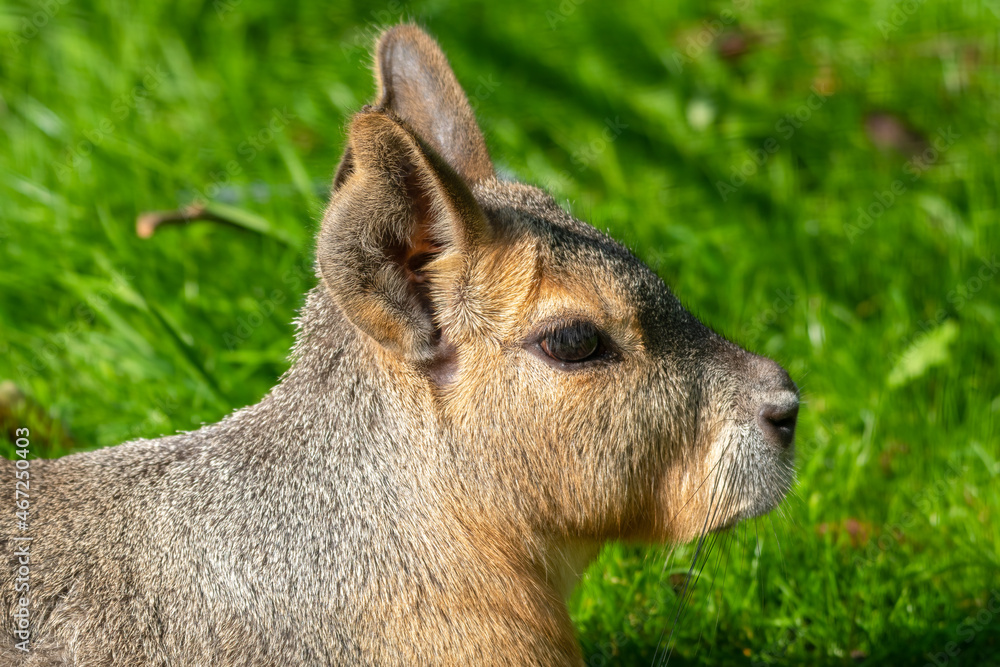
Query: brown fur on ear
[
  {"x": 344, "y": 169},
  {"x": 416, "y": 82},
  {"x": 398, "y": 206}
]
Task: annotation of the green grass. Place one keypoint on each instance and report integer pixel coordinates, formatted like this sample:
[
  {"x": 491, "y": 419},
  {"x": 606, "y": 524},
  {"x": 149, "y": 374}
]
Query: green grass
[{"x": 110, "y": 109}]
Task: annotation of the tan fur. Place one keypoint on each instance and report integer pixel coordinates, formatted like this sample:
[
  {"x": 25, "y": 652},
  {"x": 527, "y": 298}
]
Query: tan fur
[{"x": 426, "y": 483}]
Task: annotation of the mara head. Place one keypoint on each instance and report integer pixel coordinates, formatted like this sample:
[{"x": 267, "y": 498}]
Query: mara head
[{"x": 555, "y": 383}]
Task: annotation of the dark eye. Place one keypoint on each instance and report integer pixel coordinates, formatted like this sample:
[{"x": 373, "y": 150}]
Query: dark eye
[{"x": 573, "y": 343}]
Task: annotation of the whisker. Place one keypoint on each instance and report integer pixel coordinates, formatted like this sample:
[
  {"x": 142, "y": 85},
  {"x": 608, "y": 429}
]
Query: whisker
[
  {"x": 777, "y": 543},
  {"x": 688, "y": 579},
  {"x": 722, "y": 458},
  {"x": 713, "y": 511}
]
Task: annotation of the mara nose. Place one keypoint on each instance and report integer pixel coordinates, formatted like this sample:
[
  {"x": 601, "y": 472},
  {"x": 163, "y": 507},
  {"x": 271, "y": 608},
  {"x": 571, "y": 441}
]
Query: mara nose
[
  {"x": 778, "y": 401},
  {"x": 777, "y": 420}
]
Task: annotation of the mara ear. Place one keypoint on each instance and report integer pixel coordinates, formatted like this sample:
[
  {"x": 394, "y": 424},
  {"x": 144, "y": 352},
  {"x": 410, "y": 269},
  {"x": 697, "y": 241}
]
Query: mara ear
[
  {"x": 398, "y": 207},
  {"x": 416, "y": 82}
]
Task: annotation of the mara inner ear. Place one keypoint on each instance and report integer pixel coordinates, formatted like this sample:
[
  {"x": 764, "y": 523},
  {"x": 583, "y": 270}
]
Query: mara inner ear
[
  {"x": 398, "y": 207},
  {"x": 416, "y": 82}
]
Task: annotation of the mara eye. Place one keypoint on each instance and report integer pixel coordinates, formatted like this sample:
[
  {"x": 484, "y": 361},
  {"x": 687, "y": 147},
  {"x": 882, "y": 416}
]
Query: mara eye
[{"x": 573, "y": 343}]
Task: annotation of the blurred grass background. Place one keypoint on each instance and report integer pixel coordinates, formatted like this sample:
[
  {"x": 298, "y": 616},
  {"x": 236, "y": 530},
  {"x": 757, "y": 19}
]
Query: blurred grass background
[{"x": 817, "y": 180}]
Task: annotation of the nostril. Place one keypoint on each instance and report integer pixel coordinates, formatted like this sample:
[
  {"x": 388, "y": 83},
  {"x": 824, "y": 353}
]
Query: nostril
[
  {"x": 778, "y": 422},
  {"x": 780, "y": 417}
]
